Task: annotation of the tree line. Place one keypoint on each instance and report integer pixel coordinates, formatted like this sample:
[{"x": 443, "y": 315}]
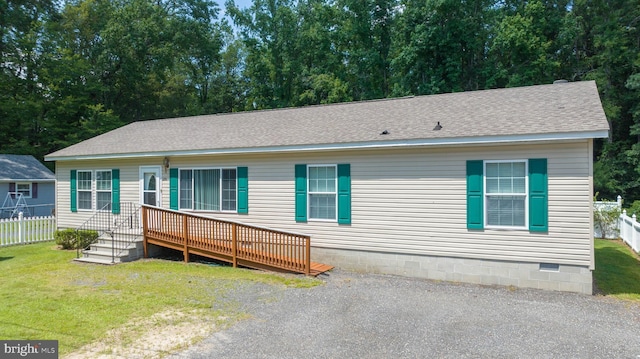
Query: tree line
[{"x": 74, "y": 69}]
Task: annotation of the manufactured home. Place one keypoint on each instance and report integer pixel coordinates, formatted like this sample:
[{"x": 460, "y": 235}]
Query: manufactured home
[{"x": 492, "y": 187}]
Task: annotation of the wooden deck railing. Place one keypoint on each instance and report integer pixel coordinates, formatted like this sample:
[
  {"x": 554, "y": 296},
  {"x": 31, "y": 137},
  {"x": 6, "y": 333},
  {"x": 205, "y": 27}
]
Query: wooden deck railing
[{"x": 236, "y": 243}]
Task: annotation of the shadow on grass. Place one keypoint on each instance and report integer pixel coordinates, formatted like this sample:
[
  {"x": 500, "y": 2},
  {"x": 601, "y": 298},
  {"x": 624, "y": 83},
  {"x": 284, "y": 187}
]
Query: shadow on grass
[
  {"x": 617, "y": 269},
  {"x": 5, "y": 258}
]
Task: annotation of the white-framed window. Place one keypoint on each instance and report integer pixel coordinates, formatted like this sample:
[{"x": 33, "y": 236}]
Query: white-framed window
[
  {"x": 208, "y": 189},
  {"x": 24, "y": 188},
  {"x": 85, "y": 187},
  {"x": 103, "y": 190},
  {"x": 506, "y": 194},
  {"x": 322, "y": 192}
]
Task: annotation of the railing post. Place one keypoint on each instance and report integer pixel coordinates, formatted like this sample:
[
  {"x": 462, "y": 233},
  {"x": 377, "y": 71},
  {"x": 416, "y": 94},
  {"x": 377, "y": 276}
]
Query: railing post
[
  {"x": 307, "y": 260},
  {"x": 21, "y": 233},
  {"x": 234, "y": 244},
  {"x": 145, "y": 228},
  {"x": 634, "y": 233},
  {"x": 185, "y": 235}
]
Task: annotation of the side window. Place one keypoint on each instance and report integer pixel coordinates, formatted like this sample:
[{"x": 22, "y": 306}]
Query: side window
[
  {"x": 24, "y": 188},
  {"x": 84, "y": 187},
  {"x": 506, "y": 194},
  {"x": 322, "y": 192},
  {"x": 103, "y": 190}
]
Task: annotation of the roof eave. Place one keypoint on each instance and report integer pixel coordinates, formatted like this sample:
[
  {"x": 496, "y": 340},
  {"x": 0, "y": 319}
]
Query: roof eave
[
  {"x": 4, "y": 180},
  {"x": 455, "y": 141}
]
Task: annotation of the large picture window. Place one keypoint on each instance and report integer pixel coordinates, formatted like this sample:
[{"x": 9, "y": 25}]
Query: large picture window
[
  {"x": 208, "y": 189},
  {"x": 322, "y": 192},
  {"x": 506, "y": 193}
]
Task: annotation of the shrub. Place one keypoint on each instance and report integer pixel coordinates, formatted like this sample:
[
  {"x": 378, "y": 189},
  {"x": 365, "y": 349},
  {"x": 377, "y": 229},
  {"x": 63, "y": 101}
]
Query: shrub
[
  {"x": 605, "y": 219},
  {"x": 73, "y": 239},
  {"x": 635, "y": 208}
]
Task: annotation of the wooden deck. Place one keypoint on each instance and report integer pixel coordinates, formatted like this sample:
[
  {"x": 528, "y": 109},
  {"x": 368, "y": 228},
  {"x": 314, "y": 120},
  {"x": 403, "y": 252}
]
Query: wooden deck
[{"x": 235, "y": 243}]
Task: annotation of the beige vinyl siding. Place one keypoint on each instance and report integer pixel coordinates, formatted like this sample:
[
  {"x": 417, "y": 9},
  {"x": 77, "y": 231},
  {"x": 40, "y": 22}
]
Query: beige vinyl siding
[
  {"x": 129, "y": 185},
  {"x": 410, "y": 201}
]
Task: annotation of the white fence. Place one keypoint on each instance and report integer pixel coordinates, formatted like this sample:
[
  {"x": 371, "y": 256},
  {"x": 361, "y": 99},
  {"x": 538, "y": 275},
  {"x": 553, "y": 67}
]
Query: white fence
[
  {"x": 23, "y": 230},
  {"x": 607, "y": 230},
  {"x": 630, "y": 230}
]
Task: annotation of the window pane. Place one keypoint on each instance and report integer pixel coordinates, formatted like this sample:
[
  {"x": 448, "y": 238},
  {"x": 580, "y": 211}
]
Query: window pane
[
  {"x": 504, "y": 170},
  {"x": 186, "y": 189},
  {"x": 229, "y": 190},
  {"x": 206, "y": 190},
  {"x": 322, "y": 206},
  {"x": 505, "y": 210},
  {"x": 103, "y": 181},
  {"x": 518, "y": 185},
  {"x": 492, "y": 185},
  {"x": 518, "y": 169},
  {"x": 103, "y": 201},
  {"x": 84, "y": 180},
  {"x": 492, "y": 170},
  {"x": 84, "y": 200},
  {"x": 322, "y": 179},
  {"x": 505, "y": 185}
]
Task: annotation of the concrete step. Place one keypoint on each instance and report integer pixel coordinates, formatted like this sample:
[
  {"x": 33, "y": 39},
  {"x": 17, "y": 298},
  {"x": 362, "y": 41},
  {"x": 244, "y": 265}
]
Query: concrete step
[
  {"x": 101, "y": 251},
  {"x": 94, "y": 260}
]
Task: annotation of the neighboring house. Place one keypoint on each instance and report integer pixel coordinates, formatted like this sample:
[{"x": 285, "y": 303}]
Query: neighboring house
[
  {"x": 490, "y": 187},
  {"x": 23, "y": 176}
]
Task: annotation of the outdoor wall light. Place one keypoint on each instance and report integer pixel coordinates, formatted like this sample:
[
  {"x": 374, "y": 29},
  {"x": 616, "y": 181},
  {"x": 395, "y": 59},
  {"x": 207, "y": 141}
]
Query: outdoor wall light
[
  {"x": 165, "y": 163},
  {"x": 438, "y": 127}
]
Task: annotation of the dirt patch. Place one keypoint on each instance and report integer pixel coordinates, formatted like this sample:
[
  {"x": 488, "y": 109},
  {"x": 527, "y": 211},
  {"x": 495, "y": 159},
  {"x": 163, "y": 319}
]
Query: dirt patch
[{"x": 154, "y": 337}]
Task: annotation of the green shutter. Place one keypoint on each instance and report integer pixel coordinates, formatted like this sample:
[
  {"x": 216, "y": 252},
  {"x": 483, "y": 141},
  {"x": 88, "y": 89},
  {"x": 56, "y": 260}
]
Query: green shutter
[
  {"x": 173, "y": 188},
  {"x": 344, "y": 194},
  {"x": 74, "y": 190},
  {"x": 115, "y": 191},
  {"x": 301, "y": 193},
  {"x": 243, "y": 190},
  {"x": 475, "y": 206},
  {"x": 538, "y": 195}
]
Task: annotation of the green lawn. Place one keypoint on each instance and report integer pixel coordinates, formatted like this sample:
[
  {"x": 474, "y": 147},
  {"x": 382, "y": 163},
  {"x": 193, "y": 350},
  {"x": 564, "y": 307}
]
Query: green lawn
[
  {"x": 617, "y": 270},
  {"x": 45, "y": 295}
]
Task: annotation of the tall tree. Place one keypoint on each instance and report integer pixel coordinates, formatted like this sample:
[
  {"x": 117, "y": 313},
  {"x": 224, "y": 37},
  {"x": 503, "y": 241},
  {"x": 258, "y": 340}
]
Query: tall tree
[
  {"x": 440, "y": 46},
  {"x": 268, "y": 29}
]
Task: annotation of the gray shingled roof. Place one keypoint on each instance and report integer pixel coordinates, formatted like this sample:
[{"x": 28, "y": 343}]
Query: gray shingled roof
[
  {"x": 523, "y": 112},
  {"x": 23, "y": 167}
]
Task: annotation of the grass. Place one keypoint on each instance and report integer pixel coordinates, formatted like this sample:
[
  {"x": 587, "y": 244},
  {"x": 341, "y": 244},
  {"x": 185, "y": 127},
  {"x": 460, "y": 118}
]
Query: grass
[
  {"x": 617, "y": 270},
  {"x": 45, "y": 295}
]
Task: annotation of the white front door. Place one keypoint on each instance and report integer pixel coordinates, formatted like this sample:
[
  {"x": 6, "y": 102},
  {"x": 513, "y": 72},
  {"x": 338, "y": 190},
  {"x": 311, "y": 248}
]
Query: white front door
[{"x": 150, "y": 185}]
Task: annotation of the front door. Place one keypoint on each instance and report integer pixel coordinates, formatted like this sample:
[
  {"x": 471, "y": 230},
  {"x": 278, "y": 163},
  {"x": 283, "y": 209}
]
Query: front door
[{"x": 150, "y": 184}]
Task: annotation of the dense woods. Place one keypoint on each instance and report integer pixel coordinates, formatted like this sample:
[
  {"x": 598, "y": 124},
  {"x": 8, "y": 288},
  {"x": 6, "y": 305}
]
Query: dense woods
[{"x": 73, "y": 69}]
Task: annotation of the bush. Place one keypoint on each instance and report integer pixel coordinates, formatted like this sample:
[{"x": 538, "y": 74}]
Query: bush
[
  {"x": 605, "y": 219},
  {"x": 73, "y": 239},
  {"x": 635, "y": 208}
]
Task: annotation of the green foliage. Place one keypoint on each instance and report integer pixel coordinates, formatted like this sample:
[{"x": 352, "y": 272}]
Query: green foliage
[
  {"x": 74, "y": 239},
  {"x": 605, "y": 218},
  {"x": 634, "y": 209}
]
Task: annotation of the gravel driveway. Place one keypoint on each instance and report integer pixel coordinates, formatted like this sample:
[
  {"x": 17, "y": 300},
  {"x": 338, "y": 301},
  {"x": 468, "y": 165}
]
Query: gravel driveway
[{"x": 378, "y": 316}]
